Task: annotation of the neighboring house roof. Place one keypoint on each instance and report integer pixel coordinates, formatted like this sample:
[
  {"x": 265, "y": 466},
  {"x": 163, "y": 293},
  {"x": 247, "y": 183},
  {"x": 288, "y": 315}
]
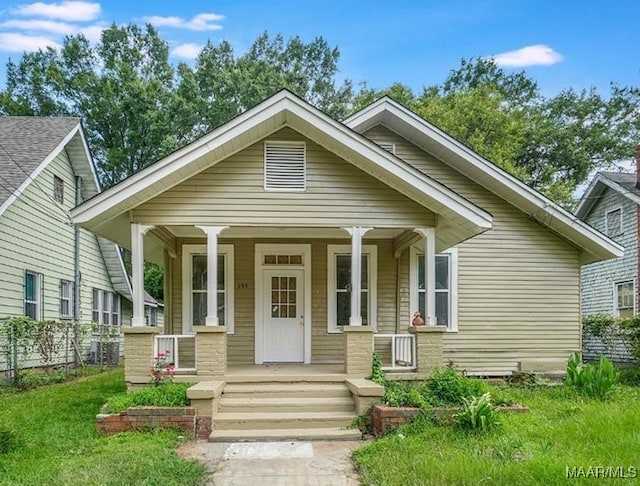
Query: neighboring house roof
[
  {"x": 594, "y": 245},
  {"x": 106, "y": 213},
  {"x": 27, "y": 145},
  {"x": 621, "y": 182}
]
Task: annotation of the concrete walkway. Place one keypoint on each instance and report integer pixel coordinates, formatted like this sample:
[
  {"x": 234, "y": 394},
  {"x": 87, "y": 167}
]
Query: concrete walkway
[{"x": 276, "y": 463}]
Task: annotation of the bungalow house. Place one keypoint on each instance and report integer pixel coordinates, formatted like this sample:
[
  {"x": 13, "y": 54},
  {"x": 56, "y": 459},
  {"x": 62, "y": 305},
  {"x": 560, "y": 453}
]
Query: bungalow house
[
  {"x": 290, "y": 237},
  {"x": 611, "y": 204},
  {"x": 50, "y": 269}
]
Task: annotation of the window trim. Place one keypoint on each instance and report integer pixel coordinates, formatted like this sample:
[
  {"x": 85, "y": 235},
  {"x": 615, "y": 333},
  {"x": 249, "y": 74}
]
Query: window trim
[
  {"x": 96, "y": 292},
  {"x": 118, "y": 307},
  {"x": 69, "y": 299},
  {"x": 304, "y": 165},
  {"x": 39, "y": 288},
  {"x": 453, "y": 284},
  {"x": 187, "y": 252},
  {"x": 606, "y": 222},
  {"x": 332, "y": 301},
  {"x": 616, "y": 309}
]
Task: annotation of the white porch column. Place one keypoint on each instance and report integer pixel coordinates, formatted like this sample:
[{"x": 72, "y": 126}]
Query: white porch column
[
  {"x": 212, "y": 273},
  {"x": 137, "y": 272},
  {"x": 357, "y": 232},
  {"x": 429, "y": 235}
]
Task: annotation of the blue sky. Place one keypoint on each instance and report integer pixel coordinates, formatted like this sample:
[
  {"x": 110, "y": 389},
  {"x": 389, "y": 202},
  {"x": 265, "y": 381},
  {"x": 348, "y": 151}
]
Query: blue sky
[{"x": 560, "y": 44}]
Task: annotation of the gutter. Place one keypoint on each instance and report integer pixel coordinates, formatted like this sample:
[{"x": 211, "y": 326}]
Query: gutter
[{"x": 76, "y": 256}]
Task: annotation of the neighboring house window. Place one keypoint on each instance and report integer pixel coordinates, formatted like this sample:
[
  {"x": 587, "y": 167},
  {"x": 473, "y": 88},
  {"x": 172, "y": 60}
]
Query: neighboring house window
[
  {"x": 151, "y": 315},
  {"x": 624, "y": 298},
  {"x": 58, "y": 189},
  {"x": 107, "y": 302},
  {"x": 613, "y": 222},
  {"x": 33, "y": 282},
  {"x": 446, "y": 287},
  {"x": 285, "y": 166},
  {"x": 389, "y": 147},
  {"x": 339, "y": 286},
  {"x": 66, "y": 299},
  {"x": 194, "y": 273},
  {"x": 96, "y": 305},
  {"x": 105, "y": 307},
  {"x": 115, "y": 310}
]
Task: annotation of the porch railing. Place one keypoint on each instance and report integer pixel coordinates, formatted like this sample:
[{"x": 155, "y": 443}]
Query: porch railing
[
  {"x": 397, "y": 351},
  {"x": 182, "y": 350}
]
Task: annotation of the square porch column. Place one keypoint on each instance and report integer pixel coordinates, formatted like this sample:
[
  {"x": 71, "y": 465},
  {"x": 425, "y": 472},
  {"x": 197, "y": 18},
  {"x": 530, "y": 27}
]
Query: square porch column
[
  {"x": 429, "y": 235},
  {"x": 137, "y": 272}
]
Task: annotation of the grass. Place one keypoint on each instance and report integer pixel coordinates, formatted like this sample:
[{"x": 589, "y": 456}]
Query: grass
[
  {"x": 563, "y": 429},
  {"x": 54, "y": 429}
]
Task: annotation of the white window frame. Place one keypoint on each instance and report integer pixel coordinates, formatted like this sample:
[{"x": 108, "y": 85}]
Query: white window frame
[
  {"x": 107, "y": 302},
  {"x": 187, "y": 271},
  {"x": 96, "y": 305},
  {"x": 118, "y": 310},
  {"x": 304, "y": 166},
  {"x": 608, "y": 231},
  {"x": 616, "y": 309},
  {"x": 68, "y": 298},
  {"x": 39, "y": 284},
  {"x": 372, "y": 252},
  {"x": 453, "y": 285},
  {"x": 151, "y": 315}
]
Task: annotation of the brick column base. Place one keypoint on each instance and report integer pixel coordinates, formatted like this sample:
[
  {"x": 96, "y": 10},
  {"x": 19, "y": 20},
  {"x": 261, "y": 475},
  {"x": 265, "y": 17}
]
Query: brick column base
[
  {"x": 211, "y": 350},
  {"x": 358, "y": 350},
  {"x": 428, "y": 346},
  {"x": 138, "y": 354}
]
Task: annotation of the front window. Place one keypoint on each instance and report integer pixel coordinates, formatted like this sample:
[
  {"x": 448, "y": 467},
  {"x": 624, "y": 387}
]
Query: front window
[
  {"x": 33, "y": 295},
  {"x": 446, "y": 269},
  {"x": 66, "y": 299},
  {"x": 339, "y": 286},
  {"x": 625, "y": 299},
  {"x": 195, "y": 292}
]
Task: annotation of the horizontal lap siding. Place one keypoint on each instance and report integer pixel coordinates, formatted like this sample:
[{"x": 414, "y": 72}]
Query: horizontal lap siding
[
  {"x": 36, "y": 234},
  {"x": 232, "y": 193},
  {"x": 519, "y": 289}
]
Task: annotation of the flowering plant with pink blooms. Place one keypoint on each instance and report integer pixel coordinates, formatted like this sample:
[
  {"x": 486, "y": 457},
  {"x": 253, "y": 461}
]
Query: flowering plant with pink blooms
[{"x": 163, "y": 369}]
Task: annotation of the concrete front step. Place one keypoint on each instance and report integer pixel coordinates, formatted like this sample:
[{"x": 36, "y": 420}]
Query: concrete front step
[
  {"x": 282, "y": 390},
  {"x": 282, "y": 420},
  {"x": 284, "y": 435},
  {"x": 233, "y": 403}
]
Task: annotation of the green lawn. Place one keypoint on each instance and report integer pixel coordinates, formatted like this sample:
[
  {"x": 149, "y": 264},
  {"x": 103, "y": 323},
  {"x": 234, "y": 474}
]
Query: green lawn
[
  {"x": 561, "y": 430},
  {"x": 55, "y": 427}
]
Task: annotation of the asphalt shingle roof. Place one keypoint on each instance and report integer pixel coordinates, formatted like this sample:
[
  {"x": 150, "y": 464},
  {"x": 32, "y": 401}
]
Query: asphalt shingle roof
[
  {"x": 625, "y": 180},
  {"x": 25, "y": 142}
]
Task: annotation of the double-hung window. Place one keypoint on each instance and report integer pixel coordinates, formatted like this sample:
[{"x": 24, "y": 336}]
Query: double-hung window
[
  {"x": 105, "y": 307},
  {"x": 194, "y": 275},
  {"x": 33, "y": 282},
  {"x": 446, "y": 287},
  {"x": 624, "y": 298},
  {"x": 66, "y": 299},
  {"x": 339, "y": 286}
]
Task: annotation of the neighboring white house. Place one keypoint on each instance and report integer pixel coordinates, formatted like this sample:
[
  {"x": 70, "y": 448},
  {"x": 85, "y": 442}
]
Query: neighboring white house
[{"x": 49, "y": 268}]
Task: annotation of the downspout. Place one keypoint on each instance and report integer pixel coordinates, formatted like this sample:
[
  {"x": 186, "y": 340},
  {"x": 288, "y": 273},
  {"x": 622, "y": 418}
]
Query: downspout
[{"x": 76, "y": 256}]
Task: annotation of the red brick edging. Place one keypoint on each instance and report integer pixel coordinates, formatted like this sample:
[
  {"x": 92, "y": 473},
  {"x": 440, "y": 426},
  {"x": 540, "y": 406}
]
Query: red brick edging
[{"x": 140, "y": 418}]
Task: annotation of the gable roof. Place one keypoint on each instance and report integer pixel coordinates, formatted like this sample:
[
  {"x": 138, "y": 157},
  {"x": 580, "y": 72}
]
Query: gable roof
[
  {"x": 27, "y": 145},
  {"x": 621, "y": 182},
  {"x": 460, "y": 219},
  {"x": 594, "y": 246}
]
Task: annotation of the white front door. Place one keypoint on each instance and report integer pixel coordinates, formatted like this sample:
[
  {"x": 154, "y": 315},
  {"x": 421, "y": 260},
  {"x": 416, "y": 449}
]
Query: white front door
[{"x": 283, "y": 315}]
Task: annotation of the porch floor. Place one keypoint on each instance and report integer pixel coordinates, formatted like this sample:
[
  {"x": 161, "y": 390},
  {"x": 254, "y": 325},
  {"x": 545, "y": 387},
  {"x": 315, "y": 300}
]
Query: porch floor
[{"x": 285, "y": 372}]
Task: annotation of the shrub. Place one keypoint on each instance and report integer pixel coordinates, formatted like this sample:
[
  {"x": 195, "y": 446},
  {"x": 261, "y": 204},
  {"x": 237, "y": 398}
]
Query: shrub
[
  {"x": 9, "y": 440},
  {"x": 478, "y": 414},
  {"x": 446, "y": 386},
  {"x": 592, "y": 380},
  {"x": 163, "y": 395}
]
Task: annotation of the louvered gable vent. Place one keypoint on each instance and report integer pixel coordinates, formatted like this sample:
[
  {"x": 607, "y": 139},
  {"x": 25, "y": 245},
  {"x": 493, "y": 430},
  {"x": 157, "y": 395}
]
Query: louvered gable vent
[
  {"x": 389, "y": 147},
  {"x": 284, "y": 166}
]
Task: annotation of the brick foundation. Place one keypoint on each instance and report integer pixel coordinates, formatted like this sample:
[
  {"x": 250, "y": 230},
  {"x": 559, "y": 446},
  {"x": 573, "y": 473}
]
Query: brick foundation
[{"x": 140, "y": 418}]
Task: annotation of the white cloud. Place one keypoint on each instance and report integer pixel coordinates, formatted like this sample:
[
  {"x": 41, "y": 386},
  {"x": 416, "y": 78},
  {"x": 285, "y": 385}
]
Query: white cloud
[
  {"x": 200, "y": 22},
  {"x": 93, "y": 33},
  {"x": 12, "y": 42},
  {"x": 536, "y": 55},
  {"x": 65, "y": 10},
  {"x": 186, "y": 51},
  {"x": 41, "y": 26}
]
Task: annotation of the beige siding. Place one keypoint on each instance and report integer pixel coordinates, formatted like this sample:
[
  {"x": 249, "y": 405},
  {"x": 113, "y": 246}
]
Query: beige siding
[
  {"x": 325, "y": 347},
  {"x": 232, "y": 193},
  {"x": 518, "y": 283},
  {"x": 36, "y": 234}
]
